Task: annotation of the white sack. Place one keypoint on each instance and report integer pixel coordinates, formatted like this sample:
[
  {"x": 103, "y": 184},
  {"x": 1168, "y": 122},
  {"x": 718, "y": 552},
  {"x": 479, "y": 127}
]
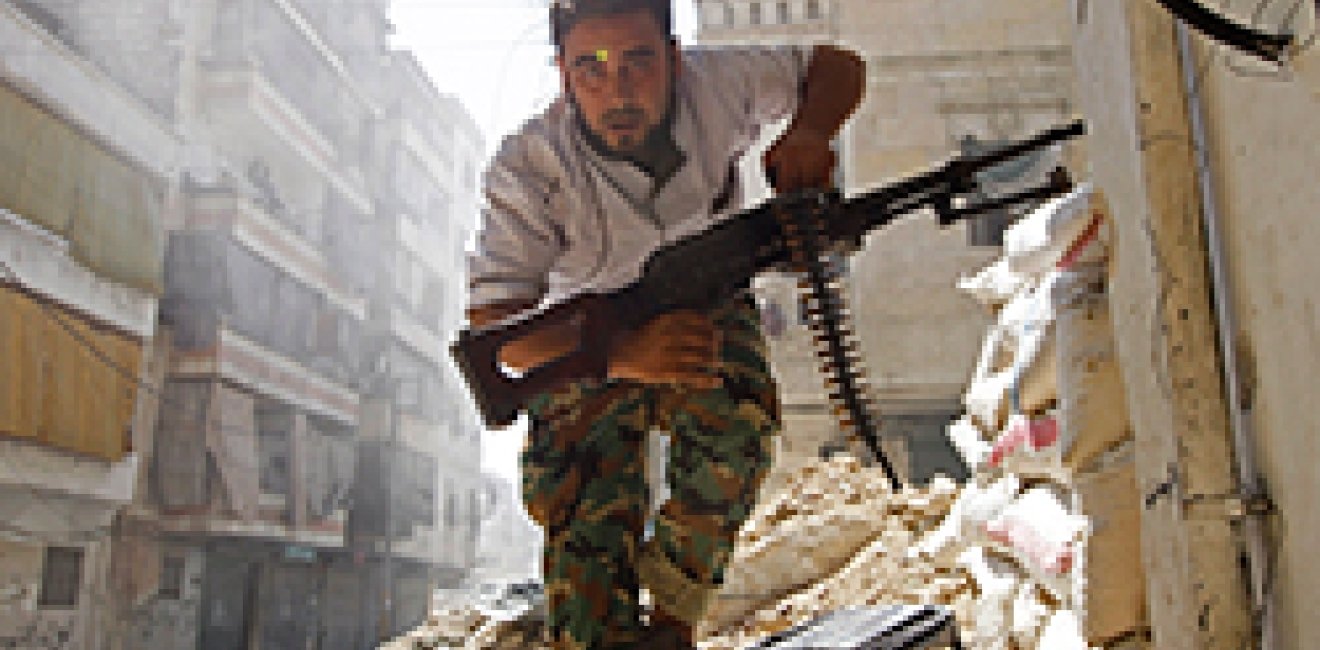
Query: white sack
[
  {"x": 967, "y": 440},
  {"x": 1040, "y": 529},
  {"x": 994, "y": 285},
  {"x": 1063, "y": 632},
  {"x": 1036, "y": 243}
]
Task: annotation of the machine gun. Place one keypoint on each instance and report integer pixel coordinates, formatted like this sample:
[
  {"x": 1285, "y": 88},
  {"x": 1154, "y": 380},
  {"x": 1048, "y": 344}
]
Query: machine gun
[{"x": 707, "y": 268}]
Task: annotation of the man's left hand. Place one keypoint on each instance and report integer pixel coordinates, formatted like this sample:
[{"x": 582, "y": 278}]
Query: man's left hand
[{"x": 800, "y": 160}]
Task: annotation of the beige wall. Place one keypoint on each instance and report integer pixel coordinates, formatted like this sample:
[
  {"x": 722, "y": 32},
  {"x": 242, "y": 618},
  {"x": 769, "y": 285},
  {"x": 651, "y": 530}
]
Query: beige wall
[
  {"x": 938, "y": 70},
  {"x": 1264, "y": 135}
]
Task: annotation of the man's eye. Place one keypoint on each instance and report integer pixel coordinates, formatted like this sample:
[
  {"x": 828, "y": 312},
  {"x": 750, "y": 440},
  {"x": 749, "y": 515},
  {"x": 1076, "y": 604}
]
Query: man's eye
[
  {"x": 591, "y": 69},
  {"x": 640, "y": 61}
]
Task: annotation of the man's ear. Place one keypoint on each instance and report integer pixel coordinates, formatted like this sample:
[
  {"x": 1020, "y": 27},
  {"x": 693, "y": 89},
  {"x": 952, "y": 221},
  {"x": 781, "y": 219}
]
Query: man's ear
[
  {"x": 563, "y": 73},
  {"x": 675, "y": 58}
]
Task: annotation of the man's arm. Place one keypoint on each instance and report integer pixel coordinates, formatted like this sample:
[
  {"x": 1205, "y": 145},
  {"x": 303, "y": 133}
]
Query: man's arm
[
  {"x": 677, "y": 347},
  {"x": 832, "y": 89},
  {"x": 545, "y": 344}
]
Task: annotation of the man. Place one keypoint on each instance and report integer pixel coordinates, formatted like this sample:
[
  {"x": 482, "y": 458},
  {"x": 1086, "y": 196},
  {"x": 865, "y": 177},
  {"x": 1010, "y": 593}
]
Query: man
[{"x": 642, "y": 146}]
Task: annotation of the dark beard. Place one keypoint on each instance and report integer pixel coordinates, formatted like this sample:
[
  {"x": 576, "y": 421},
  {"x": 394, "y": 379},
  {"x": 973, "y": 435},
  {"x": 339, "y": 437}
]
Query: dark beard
[{"x": 655, "y": 153}]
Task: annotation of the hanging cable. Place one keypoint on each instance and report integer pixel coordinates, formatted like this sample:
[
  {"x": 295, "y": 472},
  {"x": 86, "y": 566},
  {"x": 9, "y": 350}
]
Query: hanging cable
[{"x": 1245, "y": 38}]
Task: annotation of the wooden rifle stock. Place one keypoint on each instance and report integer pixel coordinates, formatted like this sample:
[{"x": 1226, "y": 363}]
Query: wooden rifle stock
[{"x": 499, "y": 396}]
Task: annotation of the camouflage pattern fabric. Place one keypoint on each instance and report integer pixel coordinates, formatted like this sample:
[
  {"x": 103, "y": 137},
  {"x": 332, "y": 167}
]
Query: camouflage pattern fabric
[{"x": 584, "y": 482}]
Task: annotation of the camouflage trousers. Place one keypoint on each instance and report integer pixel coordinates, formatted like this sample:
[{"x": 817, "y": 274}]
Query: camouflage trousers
[{"x": 584, "y": 482}]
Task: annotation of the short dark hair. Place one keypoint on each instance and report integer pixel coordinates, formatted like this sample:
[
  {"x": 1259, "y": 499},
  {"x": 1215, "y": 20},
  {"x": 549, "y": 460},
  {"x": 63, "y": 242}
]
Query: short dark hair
[{"x": 565, "y": 14}]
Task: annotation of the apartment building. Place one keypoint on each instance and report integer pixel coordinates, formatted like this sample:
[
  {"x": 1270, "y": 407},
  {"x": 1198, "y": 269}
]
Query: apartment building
[
  {"x": 229, "y": 261},
  {"x": 86, "y": 150},
  {"x": 424, "y": 156}
]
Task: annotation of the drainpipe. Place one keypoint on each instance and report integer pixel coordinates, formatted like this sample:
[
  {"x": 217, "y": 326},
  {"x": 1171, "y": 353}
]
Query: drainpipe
[{"x": 1250, "y": 491}]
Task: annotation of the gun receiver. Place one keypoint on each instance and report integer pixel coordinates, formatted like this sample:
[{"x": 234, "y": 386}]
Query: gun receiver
[{"x": 700, "y": 271}]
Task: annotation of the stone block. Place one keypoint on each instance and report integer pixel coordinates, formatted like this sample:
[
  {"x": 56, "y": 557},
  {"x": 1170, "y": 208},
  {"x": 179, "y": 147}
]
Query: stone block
[{"x": 1114, "y": 594}]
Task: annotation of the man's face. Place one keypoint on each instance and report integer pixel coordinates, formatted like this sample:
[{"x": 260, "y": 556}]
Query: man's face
[{"x": 619, "y": 70}]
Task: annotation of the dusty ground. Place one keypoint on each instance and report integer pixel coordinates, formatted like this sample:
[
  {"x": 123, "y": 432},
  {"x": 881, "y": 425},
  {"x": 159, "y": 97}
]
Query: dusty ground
[{"x": 834, "y": 536}]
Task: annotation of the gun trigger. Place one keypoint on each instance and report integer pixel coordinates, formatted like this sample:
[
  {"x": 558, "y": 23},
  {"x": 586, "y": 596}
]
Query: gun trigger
[{"x": 944, "y": 210}]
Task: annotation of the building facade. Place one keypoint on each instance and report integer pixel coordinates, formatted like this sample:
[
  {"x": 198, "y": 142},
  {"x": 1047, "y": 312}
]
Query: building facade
[
  {"x": 424, "y": 156},
  {"x": 232, "y": 259},
  {"x": 942, "y": 77},
  {"x": 86, "y": 150},
  {"x": 506, "y": 554}
]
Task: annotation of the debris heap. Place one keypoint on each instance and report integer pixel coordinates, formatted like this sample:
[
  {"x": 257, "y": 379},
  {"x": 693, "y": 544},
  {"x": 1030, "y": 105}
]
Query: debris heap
[
  {"x": 1014, "y": 552},
  {"x": 1045, "y": 436}
]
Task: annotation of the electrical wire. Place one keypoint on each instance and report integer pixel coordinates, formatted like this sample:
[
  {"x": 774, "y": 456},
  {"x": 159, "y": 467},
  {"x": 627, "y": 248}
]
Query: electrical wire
[{"x": 1282, "y": 73}]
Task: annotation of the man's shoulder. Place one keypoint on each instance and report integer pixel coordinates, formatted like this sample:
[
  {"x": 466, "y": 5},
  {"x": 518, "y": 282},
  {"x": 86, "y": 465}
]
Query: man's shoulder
[{"x": 539, "y": 144}]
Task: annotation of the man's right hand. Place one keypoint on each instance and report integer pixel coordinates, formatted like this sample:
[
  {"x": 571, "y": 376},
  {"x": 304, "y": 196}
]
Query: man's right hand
[
  {"x": 534, "y": 349},
  {"x": 680, "y": 347}
]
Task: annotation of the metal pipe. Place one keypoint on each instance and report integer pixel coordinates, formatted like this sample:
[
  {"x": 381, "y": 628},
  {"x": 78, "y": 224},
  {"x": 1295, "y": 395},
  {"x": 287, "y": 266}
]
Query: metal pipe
[
  {"x": 1249, "y": 484},
  {"x": 391, "y": 455}
]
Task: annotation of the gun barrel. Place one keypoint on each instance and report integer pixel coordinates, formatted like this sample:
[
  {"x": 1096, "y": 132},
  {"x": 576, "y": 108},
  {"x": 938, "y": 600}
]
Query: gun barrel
[
  {"x": 1048, "y": 137},
  {"x": 936, "y": 187}
]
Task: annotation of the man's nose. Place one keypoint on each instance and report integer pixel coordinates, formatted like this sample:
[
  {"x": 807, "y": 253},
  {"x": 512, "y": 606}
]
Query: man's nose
[{"x": 623, "y": 82}]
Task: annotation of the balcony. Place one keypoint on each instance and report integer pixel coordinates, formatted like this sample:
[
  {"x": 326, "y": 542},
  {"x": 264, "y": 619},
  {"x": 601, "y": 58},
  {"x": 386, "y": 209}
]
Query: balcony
[
  {"x": 265, "y": 236},
  {"x": 256, "y": 118},
  {"x": 201, "y": 525},
  {"x": 240, "y": 360},
  {"x": 345, "y": 32},
  {"x": 271, "y": 91},
  {"x": 420, "y": 337},
  {"x": 110, "y": 44},
  {"x": 45, "y": 492},
  {"x": 231, "y": 462}
]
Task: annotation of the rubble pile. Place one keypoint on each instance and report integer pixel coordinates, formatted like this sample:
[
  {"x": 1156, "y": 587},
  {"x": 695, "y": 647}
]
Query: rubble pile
[
  {"x": 1043, "y": 428},
  {"x": 1046, "y": 423},
  {"x": 835, "y": 536},
  {"x": 471, "y": 628},
  {"x": 1044, "y": 436}
]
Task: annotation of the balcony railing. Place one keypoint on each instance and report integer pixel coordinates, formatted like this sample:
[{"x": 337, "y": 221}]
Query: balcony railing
[
  {"x": 126, "y": 46},
  {"x": 215, "y": 282},
  {"x": 270, "y": 41}
]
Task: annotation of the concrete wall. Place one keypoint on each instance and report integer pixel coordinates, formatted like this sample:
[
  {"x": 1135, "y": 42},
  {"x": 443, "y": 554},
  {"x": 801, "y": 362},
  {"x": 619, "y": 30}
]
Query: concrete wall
[
  {"x": 162, "y": 620},
  {"x": 27, "y": 625},
  {"x": 937, "y": 71},
  {"x": 1263, "y": 136},
  {"x": 1262, "y": 160}
]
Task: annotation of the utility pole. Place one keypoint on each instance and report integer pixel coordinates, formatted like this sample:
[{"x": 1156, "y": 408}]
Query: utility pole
[{"x": 387, "y": 465}]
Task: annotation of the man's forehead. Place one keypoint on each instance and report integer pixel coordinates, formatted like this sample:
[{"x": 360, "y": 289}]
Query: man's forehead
[{"x": 611, "y": 34}]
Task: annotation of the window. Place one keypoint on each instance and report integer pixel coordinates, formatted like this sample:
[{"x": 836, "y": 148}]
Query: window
[
  {"x": 61, "y": 577},
  {"x": 171, "y": 578},
  {"x": 728, "y": 15},
  {"x": 813, "y": 9},
  {"x": 451, "y": 508},
  {"x": 755, "y": 17},
  {"x": 474, "y": 512},
  {"x": 782, "y": 12},
  {"x": 274, "y": 422}
]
